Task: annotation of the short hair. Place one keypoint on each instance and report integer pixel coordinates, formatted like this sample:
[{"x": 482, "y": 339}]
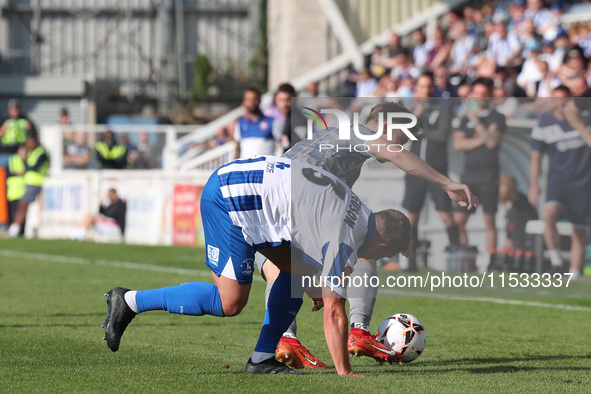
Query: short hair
[
  {"x": 427, "y": 74},
  {"x": 487, "y": 82},
  {"x": 391, "y": 106},
  {"x": 253, "y": 89},
  {"x": 564, "y": 89},
  {"x": 394, "y": 228},
  {"x": 287, "y": 88}
]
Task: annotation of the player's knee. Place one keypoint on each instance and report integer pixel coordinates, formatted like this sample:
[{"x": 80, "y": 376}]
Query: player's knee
[{"x": 233, "y": 309}]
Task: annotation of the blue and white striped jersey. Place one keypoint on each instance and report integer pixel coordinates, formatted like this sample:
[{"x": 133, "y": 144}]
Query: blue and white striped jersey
[
  {"x": 274, "y": 199},
  {"x": 257, "y": 192}
]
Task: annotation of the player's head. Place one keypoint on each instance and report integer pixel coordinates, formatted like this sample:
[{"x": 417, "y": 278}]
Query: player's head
[
  {"x": 482, "y": 91},
  {"x": 32, "y": 140},
  {"x": 285, "y": 92},
  {"x": 251, "y": 100},
  {"x": 425, "y": 86},
  {"x": 392, "y": 235},
  {"x": 112, "y": 194},
  {"x": 14, "y": 108},
  {"x": 507, "y": 188},
  {"x": 398, "y": 136}
]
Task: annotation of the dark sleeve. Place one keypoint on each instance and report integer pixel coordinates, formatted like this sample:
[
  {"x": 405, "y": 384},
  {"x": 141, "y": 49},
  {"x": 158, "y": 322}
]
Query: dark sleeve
[
  {"x": 463, "y": 126},
  {"x": 439, "y": 132},
  {"x": 42, "y": 159},
  {"x": 120, "y": 162},
  {"x": 501, "y": 123},
  {"x": 537, "y": 139}
]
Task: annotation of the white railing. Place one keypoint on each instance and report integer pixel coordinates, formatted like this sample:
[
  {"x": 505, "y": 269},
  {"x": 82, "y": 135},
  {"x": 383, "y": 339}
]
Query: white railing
[{"x": 324, "y": 71}]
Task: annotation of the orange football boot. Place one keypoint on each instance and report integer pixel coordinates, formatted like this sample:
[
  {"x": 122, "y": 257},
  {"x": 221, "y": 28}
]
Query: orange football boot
[
  {"x": 291, "y": 352},
  {"x": 362, "y": 343}
]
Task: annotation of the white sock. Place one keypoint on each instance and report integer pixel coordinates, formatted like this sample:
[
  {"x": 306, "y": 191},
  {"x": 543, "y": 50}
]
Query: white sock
[
  {"x": 362, "y": 326},
  {"x": 555, "y": 259},
  {"x": 14, "y": 230},
  {"x": 130, "y": 300},
  {"x": 259, "y": 357},
  {"x": 288, "y": 334},
  {"x": 575, "y": 272}
]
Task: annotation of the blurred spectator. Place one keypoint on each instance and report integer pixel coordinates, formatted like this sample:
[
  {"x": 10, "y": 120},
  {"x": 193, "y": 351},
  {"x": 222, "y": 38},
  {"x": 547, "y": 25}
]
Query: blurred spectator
[
  {"x": 503, "y": 47},
  {"x": 273, "y": 110},
  {"x": 293, "y": 128},
  {"x": 366, "y": 84},
  {"x": 548, "y": 82},
  {"x": 14, "y": 131},
  {"x": 479, "y": 136},
  {"x": 63, "y": 119},
  {"x": 404, "y": 69},
  {"x": 443, "y": 88},
  {"x": 569, "y": 180},
  {"x": 545, "y": 22},
  {"x": 530, "y": 75},
  {"x": 518, "y": 212},
  {"x": 462, "y": 48},
  {"x": 421, "y": 50},
  {"x": 148, "y": 151},
  {"x": 36, "y": 168},
  {"x": 434, "y": 118},
  {"x": 110, "y": 221},
  {"x": 503, "y": 104},
  {"x": 77, "y": 153},
  {"x": 439, "y": 51},
  {"x": 254, "y": 130},
  {"x": 110, "y": 154},
  {"x": 15, "y": 182},
  {"x": 395, "y": 47}
]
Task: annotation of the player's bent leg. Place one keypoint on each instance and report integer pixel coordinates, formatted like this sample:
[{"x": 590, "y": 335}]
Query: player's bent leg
[
  {"x": 193, "y": 298},
  {"x": 460, "y": 219},
  {"x": 362, "y": 302},
  {"x": 284, "y": 304},
  {"x": 233, "y": 295},
  {"x": 577, "y": 251}
]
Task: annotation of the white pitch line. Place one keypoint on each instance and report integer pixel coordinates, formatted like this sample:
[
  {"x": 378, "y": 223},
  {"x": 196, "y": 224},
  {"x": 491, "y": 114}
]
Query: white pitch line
[
  {"x": 457, "y": 297},
  {"x": 110, "y": 263}
]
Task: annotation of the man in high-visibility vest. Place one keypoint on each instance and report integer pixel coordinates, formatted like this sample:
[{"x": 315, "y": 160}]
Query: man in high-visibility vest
[
  {"x": 110, "y": 154},
  {"x": 36, "y": 168},
  {"x": 13, "y": 131},
  {"x": 15, "y": 181}
]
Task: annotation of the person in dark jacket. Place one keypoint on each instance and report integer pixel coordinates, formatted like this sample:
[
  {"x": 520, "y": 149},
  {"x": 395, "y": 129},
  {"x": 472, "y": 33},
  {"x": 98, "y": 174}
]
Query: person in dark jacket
[{"x": 109, "y": 222}]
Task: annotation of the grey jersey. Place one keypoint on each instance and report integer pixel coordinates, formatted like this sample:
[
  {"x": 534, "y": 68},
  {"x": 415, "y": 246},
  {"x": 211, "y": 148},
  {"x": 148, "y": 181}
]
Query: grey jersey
[{"x": 339, "y": 157}]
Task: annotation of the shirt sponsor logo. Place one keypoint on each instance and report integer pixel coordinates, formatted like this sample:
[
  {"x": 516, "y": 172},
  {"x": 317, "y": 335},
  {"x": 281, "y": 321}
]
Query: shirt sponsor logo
[{"x": 213, "y": 254}]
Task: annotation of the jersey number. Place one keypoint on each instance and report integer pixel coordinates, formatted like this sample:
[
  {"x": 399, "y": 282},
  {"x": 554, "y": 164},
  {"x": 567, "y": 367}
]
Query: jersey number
[{"x": 322, "y": 180}]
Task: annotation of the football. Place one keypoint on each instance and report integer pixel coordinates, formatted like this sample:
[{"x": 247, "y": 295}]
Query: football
[{"x": 403, "y": 333}]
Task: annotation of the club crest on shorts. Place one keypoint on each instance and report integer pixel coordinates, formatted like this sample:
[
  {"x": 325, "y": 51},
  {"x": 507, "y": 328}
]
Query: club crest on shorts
[{"x": 247, "y": 267}]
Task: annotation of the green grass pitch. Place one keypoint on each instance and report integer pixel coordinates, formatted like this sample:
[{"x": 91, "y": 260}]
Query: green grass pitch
[{"x": 52, "y": 306}]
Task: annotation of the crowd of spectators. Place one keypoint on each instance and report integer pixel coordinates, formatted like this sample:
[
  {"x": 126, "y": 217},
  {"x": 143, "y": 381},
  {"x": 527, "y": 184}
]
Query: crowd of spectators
[{"x": 520, "y": 44}]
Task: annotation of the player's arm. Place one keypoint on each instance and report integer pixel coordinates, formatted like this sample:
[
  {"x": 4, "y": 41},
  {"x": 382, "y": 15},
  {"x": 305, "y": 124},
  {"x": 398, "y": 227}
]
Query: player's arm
[
  {"x": 535, "y": 162},
  {"x": 462, "y": 143},
  {"x": 493, "y": 136},
  {"x": 413, "y": 165},
  {"x": 336, "y": 331},
  {"x": 237, "y": 137},
  {"x": 573, "y": 117}
]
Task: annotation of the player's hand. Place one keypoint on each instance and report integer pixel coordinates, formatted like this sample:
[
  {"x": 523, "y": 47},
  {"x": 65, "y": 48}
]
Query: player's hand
[
  {"x": 462, "y": 195},
  {"x": 351, "y": 373},
  {"x": 317, "y": 304}
]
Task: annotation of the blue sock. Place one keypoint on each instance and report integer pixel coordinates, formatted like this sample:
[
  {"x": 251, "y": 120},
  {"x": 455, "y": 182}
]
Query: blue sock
[
  {"x": 281, "y": 310},
  {"x": 193, "y": 298}
]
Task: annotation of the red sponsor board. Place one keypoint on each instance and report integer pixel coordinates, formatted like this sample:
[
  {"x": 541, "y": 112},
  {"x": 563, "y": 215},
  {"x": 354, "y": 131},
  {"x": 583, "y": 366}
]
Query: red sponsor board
[{"x": 185, "y": 214}]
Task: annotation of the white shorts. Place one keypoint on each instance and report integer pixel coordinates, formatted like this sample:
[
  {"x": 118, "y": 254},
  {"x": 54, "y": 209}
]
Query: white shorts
[{"x": 107, "y": 229}]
